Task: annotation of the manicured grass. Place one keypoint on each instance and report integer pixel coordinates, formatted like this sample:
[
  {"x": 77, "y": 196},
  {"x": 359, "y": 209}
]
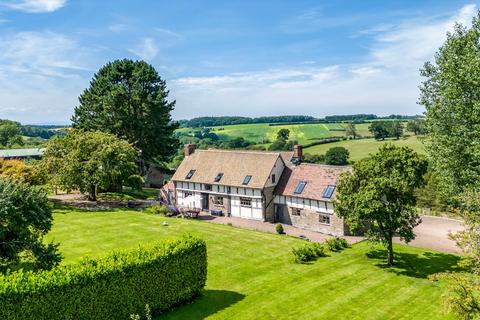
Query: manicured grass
[
  {"x": 251, "y": 274},
  {"x": 130, "y": 194},
  {"x": 361, "y": 148}
]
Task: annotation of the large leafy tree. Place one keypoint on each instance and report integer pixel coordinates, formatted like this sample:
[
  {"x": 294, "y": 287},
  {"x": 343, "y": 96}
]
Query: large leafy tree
[
  {"x": 417, "y": 126},
  {"x": 25, "y": 217},
  {"x": 378, "y": 195},
  {"x": 351, "y": 130},
  {"x": 89, "y": 160},
  {"x": 10, "y": 133},
  {"x": 129, "y": 99},
  {"x": 379, "y": 129},
  {"x": 451, "y": 96},
  {"x": 337, "y": 156}
]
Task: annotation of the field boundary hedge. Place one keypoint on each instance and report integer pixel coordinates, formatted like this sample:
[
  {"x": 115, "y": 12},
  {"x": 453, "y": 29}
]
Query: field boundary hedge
[{"x": 163, "y": 275}]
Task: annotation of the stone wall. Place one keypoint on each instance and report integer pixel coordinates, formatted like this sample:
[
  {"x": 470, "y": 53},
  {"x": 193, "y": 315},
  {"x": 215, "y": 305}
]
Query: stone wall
[{"x": 310, "y": 220}]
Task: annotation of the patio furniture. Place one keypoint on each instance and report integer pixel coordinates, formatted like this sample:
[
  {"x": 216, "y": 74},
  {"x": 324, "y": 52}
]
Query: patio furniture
[{"x": 190, "y": 212}]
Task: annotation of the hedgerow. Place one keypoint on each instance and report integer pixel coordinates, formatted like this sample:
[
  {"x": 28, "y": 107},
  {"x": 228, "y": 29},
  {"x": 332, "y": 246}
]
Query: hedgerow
[{"x": 114, "y": 287}]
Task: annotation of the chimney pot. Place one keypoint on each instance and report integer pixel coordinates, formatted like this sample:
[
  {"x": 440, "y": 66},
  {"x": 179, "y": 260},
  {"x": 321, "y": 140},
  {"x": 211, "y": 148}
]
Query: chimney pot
[
  {"x": 189, "y": 149},
  {"x": 297, "y": 153}
]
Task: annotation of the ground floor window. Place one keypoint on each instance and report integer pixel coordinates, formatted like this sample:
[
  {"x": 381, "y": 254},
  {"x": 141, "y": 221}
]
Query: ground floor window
[
  {"x": 324, "y": 218},
  {"x": 296, "y": 211},
  {"x": 218, "y": 200},
  {"x": 246, "y": 202},
  {"x": 187, "y": 194}
]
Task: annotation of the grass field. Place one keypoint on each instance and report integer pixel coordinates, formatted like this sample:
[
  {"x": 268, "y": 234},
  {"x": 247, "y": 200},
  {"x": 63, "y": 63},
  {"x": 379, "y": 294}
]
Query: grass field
[
  {"x": 303, "y": 133},
  {"x": 361, "y": 148},
  {"x": 251, "y": 274}
]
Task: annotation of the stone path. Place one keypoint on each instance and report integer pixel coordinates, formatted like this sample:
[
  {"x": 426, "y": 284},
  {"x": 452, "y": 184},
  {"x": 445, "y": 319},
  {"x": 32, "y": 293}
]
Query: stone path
[{"x": 270, "y": 227}]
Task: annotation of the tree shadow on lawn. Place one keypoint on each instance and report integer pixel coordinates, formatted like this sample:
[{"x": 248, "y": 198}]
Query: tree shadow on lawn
[
  {"x": 417, "y": 265},
  {"x": 208, "y": 303}
]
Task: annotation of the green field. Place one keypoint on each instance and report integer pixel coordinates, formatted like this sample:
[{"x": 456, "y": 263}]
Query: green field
[
  {"x": 251, "y": 274},
  {"x": 303, "y": 133},
  {"x": 361, "y": 148}
]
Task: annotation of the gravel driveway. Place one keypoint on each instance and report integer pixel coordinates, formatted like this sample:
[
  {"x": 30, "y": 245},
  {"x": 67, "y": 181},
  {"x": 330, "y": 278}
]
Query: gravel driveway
[{"x": 433, "y": 232}]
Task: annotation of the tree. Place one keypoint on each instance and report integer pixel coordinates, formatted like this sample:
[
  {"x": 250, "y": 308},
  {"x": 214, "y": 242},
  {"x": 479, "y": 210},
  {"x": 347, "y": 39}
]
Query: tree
[
  {"x": 129, "y": 99},
  {"x": 9, "y": 133},
  {"x": 90, "y": 160},
  {"x": 19, "y": 171},
  {"x": 451, "y": 96},
  {"x": 378, "y": 195},
  {"x": 379, "y": 129},
  {"x": 395, "y": 129},
  {"x": 351, "y": 130},
  {"x": 25, "y": 218},
  {"x": 283, "y": 134},
  {"x": 337, "y": 156},
  {"x": 417, "y": 126}
]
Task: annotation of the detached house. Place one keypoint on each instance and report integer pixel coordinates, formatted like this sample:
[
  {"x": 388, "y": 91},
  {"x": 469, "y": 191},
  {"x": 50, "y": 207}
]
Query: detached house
[{"x": 266, "y": 186}]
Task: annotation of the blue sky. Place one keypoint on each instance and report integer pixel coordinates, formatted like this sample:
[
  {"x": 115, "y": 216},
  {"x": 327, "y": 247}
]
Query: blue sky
[{"x": 247, "y": 58}]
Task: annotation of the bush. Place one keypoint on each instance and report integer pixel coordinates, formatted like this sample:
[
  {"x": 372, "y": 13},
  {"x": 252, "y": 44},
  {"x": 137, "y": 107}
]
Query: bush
[
  {"x": 279, "y": 228},
  {"x": 159, "y": 209},
  {"x": 308, "y": 252},
  {"x": 337, "y": 156},
  {"x": 25, "y": 218},
  {"x": 336, "y": 244},
  {"x": 114, "y": 287},
  {"x": 313, "y": 158}
]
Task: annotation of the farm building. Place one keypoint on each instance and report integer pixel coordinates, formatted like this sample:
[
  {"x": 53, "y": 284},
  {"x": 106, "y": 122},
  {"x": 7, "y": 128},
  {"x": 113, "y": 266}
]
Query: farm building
[
  {"x": 266, "y": 186},
  {"x": 20, "y": 154}
]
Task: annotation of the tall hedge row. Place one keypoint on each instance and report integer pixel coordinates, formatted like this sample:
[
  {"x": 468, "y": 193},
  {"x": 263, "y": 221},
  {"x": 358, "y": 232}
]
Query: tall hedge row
[{"x": 114, "y": 287}]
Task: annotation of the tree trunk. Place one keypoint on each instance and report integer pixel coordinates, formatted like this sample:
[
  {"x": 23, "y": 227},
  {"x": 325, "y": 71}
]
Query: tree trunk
[
  {"x": 390, "y": 251},
  {"x": 92, "y": 193}
]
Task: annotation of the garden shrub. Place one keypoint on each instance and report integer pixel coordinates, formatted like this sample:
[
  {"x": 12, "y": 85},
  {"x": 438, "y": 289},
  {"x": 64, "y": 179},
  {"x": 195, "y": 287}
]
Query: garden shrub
[
  {"x": 279, "y": 228},
  {"x": 336, "y": 244},
  {"x": 159, "y": 209},
  {"x": 308, "y": 252},
  {"x": 114, "y": 287}
]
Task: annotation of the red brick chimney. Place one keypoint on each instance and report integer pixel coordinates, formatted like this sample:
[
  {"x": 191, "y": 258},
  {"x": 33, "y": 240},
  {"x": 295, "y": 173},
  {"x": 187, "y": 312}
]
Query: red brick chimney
[
  {"x": 189, "y": 149},
  {"x": 297, "y": 153}
]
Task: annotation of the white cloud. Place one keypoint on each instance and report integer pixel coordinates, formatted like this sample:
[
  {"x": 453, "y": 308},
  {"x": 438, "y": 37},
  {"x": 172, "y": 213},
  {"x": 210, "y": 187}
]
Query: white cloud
[
  {"x": 387, "y": 82},
  {"x": 41, "y": 76},
  {"x": 34, "y": 6},
  {"x": 147, "y": 49}
]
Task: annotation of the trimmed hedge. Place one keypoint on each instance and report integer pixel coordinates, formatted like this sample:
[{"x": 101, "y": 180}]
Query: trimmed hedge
[{"x": 114, "y": 287}]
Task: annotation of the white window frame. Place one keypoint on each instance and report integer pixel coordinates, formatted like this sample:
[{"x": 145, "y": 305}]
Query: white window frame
[{"x": 245, "y": 202}]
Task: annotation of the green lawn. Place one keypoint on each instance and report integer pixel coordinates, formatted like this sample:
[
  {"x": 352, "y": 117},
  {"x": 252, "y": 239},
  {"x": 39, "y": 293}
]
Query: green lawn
[
  {"x": 251, "y": 274},
  {"x": 361, "y": 148}
]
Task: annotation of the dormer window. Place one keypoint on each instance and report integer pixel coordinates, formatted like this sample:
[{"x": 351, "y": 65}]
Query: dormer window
[
  {"x": 300, "y": 186},
  {"x": 274, "y": 178},
  {"x": 218, "y": 177},
  {"x": 246, "y": 180},
  {"x": 189, "y": 174},
  {"x": 329, "y": 191}
]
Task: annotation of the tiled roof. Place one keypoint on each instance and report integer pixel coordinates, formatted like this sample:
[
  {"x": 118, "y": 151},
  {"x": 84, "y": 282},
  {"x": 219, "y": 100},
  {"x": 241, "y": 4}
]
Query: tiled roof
[
  {"x": 317, "y": 178},
  {"x": 234, "y": 165}
]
